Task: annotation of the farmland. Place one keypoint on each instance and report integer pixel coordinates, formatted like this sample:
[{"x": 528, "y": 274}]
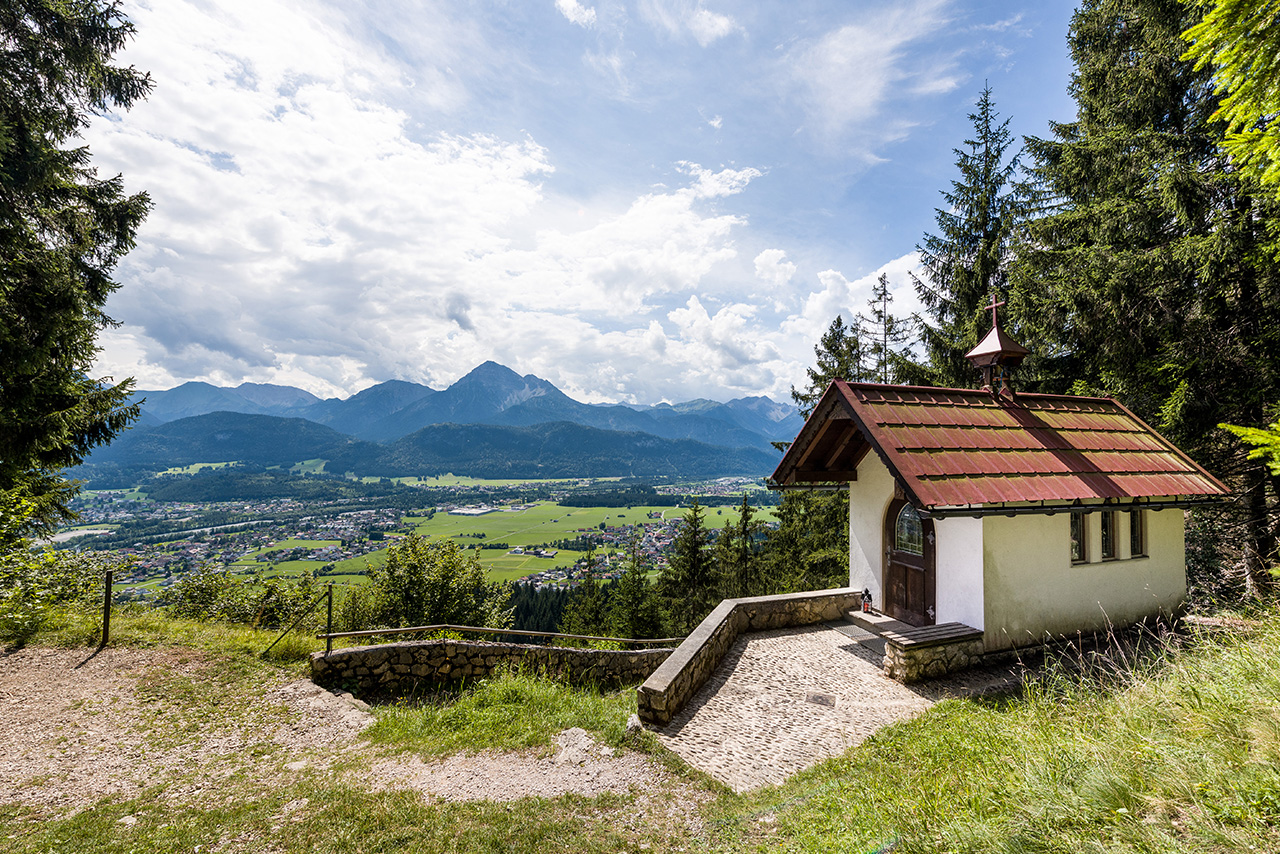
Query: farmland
[
  {"x": 338, "y": 540},
  {"x": 537, "y": 525}
]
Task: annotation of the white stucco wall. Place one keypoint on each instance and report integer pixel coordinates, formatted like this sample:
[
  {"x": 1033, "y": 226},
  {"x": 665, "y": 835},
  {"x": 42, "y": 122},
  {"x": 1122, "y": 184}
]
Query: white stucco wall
[
  {"x": 1033, "y": 590},
  {"x": 869, "y": 499},
  {"x": 959, "y": 585}
]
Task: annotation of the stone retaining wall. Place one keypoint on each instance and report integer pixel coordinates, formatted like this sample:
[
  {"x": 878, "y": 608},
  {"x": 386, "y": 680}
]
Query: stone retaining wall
[
  {"x": 397, "y": 668},
  {"x": 678, "y": 678},
  {"x": 919, "y": 662}
]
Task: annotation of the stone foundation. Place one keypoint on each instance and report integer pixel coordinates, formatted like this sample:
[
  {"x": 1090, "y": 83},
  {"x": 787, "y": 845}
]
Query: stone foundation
[
  {"x": 399, "y": 668},
  {"x": 680, "y": 676},
  {"x": 915, "y": 656}
]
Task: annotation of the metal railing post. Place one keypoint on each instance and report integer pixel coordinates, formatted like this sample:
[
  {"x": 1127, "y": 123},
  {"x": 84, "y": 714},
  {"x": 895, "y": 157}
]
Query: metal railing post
[
  {"x": 106, "y": 609},
  {"x": 328, "y": 640}
]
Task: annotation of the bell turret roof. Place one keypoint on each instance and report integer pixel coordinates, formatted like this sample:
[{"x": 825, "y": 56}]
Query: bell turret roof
[{"x": 996, "y": 348}]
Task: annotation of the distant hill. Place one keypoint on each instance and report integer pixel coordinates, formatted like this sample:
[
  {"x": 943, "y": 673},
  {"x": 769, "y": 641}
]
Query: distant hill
[
  {"x": 223, "y": 437},
  {"x": 558, "y": 449},
  {"x": 489, "y": 394},
  {"x": 364, "y": 413},
  {"x": 275, "y": 397},
  {"x": 480, "y": 397},
  {"x": 197, "y": 398},
  {"x": 480, "y": 450}
]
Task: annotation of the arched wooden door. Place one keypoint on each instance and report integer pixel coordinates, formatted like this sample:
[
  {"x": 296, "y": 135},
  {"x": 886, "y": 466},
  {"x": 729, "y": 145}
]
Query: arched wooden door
[{"x": 910, "y": 579}]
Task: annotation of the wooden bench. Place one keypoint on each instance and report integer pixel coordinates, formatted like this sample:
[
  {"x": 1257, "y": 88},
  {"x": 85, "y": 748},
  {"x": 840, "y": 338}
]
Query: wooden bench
[{"x": 924, "y": 636}]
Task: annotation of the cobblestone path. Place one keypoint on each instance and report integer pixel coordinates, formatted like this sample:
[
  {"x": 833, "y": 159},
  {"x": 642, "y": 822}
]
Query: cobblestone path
[{"x": 787, "y": 699}]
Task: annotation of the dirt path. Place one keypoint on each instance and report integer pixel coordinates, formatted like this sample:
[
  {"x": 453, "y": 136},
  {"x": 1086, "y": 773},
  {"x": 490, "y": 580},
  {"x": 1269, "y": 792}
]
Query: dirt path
[{"x": 76, "y": 728}]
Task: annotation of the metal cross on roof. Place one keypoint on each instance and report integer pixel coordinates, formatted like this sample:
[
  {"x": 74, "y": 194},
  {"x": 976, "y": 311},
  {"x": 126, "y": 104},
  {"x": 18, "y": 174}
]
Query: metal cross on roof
[{"x": 994, "y": 305}]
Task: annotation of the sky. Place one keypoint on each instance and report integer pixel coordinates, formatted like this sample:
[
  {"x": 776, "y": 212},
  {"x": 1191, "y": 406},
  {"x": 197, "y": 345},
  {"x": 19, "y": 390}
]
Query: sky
[{"x": 638, "y": 200}]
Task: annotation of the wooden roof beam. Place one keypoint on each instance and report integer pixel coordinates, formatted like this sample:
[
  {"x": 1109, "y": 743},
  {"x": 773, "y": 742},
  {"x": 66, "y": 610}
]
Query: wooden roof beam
[
  {"x": 851, "y": 432},
  {"x": 812, "y": 476}
]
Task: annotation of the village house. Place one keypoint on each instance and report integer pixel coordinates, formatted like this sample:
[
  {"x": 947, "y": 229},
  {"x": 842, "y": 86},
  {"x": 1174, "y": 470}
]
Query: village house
[{"x": 1024, "y": 516}]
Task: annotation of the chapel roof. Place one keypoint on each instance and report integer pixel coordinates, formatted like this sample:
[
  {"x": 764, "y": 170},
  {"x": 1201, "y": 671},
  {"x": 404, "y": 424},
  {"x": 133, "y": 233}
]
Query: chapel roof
[{"x": 957, "y": 448}]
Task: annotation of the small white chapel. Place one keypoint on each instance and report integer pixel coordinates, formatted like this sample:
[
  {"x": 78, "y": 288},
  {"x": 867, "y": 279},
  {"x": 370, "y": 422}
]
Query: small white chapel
[{"x": 1024, "y": 516}]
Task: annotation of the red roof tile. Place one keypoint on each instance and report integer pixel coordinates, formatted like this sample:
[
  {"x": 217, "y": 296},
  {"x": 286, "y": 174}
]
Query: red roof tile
[{"x": 958, "y": 447}]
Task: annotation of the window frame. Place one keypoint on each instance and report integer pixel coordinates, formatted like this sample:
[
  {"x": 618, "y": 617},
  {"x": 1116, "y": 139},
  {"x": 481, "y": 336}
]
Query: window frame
[
  {"x": 1110, "y": 545},
  {"x": 1079, "y": 537},
  {"x": 1137, "y": 533}
]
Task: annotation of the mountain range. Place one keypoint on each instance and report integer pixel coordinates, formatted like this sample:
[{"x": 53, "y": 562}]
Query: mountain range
[
  {"x": 489, "y": 394},
  {"x": 381, "y": 429}
]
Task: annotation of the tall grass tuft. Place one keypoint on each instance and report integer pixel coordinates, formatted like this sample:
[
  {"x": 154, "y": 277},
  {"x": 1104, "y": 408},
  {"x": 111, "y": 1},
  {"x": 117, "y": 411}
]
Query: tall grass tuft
[
  {"x": 143, "y": 626},
  {"x": 512, "y": 710},
  {"x": 1169, "y": 744}
]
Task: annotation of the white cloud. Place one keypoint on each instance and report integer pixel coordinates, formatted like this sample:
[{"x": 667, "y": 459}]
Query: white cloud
[
  {"x": 307, "y": 231},
  {"x": 680, "y": 17},
  {"x": 708, "y": 26},
  {"x": 773, "y": 268},
  {"x": 664, "y": 242},
  {"x": 840, "y": 296},
  {"x": 344, "y": 194},
  {"x": 847, "y": 77},
  {"x": 575, "y": 12}
]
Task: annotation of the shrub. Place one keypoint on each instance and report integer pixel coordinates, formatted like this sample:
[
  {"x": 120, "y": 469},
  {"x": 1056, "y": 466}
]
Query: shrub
[
  {"x": 429, "y": 582},
  {"x": 213, "y": 593},
  {"x": 32, "y": 583}
]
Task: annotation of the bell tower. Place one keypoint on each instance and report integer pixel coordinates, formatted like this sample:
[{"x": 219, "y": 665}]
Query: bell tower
[{"x": 997, "y": 355}]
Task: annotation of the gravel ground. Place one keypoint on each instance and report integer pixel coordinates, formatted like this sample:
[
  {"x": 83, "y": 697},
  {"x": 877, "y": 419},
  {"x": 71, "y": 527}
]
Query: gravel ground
[
  {"x": 78, "y": 727},
  {"x": 581, "y": 765}
]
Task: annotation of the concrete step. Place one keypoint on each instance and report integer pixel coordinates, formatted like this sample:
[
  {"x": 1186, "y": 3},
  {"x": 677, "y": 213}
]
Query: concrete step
[
  {"x": 875, "y": 623},
  {"x": 866, "y": 639}
]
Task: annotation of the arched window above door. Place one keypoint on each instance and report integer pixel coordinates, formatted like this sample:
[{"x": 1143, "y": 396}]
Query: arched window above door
[{"x": 908, "y": 532}]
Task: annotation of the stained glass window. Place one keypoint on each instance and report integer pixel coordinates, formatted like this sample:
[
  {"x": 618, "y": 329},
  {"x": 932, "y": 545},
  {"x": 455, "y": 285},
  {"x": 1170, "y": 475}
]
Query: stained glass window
[{"x": 909, "y": 533}]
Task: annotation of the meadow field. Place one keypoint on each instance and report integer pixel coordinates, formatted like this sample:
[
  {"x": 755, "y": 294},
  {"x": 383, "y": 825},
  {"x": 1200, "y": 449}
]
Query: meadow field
[{"x": 539, "y": 524}]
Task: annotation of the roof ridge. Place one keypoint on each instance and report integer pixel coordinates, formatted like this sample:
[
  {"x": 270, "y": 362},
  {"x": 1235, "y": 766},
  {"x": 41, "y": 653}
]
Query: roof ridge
[{"x": 984, "y": 394}]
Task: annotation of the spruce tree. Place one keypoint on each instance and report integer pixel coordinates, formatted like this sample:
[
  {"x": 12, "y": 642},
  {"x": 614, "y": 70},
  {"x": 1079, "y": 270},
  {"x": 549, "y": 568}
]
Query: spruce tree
[
  {"x": 1240, "y": 40},
  {"x": 809, "y": 550},
  {"x": 839, "y": 356},
  {"x": 1147, "y": 265},
  {"x": 633, "y": 608},
  {"x": 885, "y": 334},
  {"x": 737, "y": 555},
  {"x": 588, "y": 611},
  {"x": 62, "y": 231},
  {"x": 688, "y": 582},
  {"x": 968, "y": 259}
]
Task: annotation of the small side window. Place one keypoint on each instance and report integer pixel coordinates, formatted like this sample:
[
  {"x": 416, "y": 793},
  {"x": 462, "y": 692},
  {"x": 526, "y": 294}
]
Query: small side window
[
  {"x": 1078, "y": 552},
  {"x": 1137, "y": 533},
  {"x": 1110, "y": 548}
]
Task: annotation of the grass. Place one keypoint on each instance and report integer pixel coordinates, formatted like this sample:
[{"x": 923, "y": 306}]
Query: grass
[
  {"x": 509, "y": 712},
  {"x": 145, "y": 627},
  {"x": 337, "y": 819},
  {"x": 196, "y": 467},
  {"x": 292, "y": 543},
  {"x": 1175, "y": 750},
  {"x": 326, "y": 807},
  {"x": 1173, "y": 747}
]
